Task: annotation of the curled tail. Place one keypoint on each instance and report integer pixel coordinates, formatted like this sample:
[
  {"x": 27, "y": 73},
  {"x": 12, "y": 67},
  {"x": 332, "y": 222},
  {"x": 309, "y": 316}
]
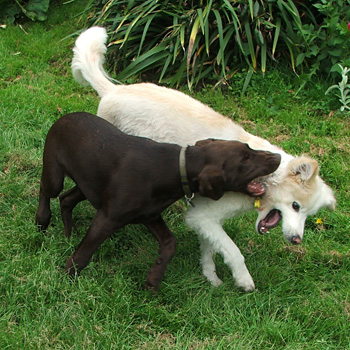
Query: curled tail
[{"x": 88, "y": 59}]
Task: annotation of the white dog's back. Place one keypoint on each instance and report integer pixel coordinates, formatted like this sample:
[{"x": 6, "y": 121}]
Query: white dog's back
[{"x": 187, "y": 121}]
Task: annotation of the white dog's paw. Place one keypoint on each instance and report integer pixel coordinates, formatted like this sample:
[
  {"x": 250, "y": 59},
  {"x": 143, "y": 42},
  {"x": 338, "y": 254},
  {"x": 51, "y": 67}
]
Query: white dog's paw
[
  {"x": 212, "y": 278},
  {"x": 245, "y": 283},
  {"x": 215, "y": 281}
]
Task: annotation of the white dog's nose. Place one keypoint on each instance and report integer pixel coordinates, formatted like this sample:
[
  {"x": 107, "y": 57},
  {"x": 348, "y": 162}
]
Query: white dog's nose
[{"x": 296, "y": 240}]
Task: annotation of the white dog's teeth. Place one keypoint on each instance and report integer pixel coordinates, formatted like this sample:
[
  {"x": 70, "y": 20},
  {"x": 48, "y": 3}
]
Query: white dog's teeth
[{"x": 264, "y": 230}]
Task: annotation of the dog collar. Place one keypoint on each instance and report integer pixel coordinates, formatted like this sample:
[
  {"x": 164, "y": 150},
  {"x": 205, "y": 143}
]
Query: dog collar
[{"x": 189, "y": 195}]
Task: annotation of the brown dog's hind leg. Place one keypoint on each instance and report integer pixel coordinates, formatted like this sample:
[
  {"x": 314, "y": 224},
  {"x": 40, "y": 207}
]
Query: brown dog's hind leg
[
  {"x": 43, "y": 214},
  {"x": 167, "y": 245},
  {"x": 101, "y": 228},
  {"x": 51, "y": 185},
  {"x": 68, "y": 201}
]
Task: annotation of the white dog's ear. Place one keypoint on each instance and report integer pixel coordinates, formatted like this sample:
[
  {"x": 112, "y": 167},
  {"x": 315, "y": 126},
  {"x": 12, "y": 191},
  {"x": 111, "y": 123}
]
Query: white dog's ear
[{"x": 303, "y": 169}]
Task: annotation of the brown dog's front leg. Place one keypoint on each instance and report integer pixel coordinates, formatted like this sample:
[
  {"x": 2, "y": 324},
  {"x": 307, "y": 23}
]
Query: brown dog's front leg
[
  {"x": 68, "y": 201},
  {"x": 167, "y": 245},
  {"x": 101, "y": 228}
]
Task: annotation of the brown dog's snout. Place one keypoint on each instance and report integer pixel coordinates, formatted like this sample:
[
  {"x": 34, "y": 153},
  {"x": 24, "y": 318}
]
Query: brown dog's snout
[{"x": 274, "y": 160}]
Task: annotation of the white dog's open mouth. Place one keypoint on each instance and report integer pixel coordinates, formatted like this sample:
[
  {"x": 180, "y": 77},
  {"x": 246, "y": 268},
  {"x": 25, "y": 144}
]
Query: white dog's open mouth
[{"x": 271, "y": 220}]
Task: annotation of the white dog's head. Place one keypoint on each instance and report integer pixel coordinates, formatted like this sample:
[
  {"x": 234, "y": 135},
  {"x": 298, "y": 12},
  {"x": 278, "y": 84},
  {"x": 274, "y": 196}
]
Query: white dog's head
[{"x": 300, "y": 193}]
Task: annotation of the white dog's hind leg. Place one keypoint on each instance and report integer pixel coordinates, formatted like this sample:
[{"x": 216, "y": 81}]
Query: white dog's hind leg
[{"x": 220, "y": 242}]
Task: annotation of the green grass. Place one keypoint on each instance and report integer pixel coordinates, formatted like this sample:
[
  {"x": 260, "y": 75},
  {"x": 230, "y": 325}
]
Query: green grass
[{"x": 302, "y": 298}]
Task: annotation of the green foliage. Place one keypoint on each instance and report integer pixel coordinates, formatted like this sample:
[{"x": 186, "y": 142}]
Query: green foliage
[
  {"x": 326, "y": 38},
  {"x": 32, "y": 9},
  {"x": 343, "y": 89},
  {"x": 202, "y": 39},
  {"x": 175, "y": 40}
]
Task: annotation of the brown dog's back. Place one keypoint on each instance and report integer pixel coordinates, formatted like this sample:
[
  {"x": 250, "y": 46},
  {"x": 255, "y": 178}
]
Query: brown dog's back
[{"x": 91, "y": 151}]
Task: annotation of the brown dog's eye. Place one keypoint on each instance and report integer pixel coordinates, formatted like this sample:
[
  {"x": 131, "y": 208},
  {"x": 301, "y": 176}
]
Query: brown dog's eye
[{"x": 246, "y": 157}]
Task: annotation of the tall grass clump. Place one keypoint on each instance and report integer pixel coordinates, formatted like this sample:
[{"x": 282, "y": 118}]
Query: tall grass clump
[{"x": 175, "y": 40}]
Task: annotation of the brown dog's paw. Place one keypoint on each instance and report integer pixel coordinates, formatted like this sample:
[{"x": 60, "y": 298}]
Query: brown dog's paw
[
  {"x": 150, "y": 287},
  {"x": 153, "y": 281},
  {"x": 42, "y": 224},
  {"x": 71, "y": 268}
]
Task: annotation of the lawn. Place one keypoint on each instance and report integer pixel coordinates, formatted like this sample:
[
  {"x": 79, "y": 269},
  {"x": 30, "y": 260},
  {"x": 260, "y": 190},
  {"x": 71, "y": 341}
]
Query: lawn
[{"x": 302, "y": 298}]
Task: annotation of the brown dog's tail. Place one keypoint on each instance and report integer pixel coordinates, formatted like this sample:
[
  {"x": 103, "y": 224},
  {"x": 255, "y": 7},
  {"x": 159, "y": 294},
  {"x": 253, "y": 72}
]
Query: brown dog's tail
[{"x": 88, "y": 59}]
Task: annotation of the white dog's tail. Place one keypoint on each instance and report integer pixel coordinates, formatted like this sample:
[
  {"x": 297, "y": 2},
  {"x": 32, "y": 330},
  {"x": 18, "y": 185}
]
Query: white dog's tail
[{"x": 88, "y": 59}]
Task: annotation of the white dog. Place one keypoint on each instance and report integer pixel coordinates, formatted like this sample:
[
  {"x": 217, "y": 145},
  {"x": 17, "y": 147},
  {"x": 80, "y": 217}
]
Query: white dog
[{"x": 294, "y": 191}]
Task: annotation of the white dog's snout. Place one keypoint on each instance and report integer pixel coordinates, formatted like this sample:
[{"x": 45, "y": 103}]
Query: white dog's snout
[{"x": 296, "y": 240}]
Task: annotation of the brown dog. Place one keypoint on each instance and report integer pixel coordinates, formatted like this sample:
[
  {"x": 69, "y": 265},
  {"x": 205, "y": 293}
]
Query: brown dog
[{"x": 131, "y": 179}]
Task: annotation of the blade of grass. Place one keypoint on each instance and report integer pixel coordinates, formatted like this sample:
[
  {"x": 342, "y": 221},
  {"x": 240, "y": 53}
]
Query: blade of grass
[
  {"x": 201, "y": 19},
  {"x": 232, "y": 10},
  {"x": 205, "y": 19},
  {"x": 179, "y": 76},
  {"x": 176, "y": 37},
  {"x": 250, "y": 43},
  {"x": 290, "y": 45},
  {"x": 276, "y": 36},
  {"x": 144, "y": 33},
  {"x": 144, "y": 61},
  {"x": 221, "y": 55},
  {"x": 182, "y": 37},
  {"x": 247, "y": 81},
  {"x": 166, "y": 65},
  {"x": 251, "y": 8},
  {"x": 263, "y": 58},
  {"x": 151, "y": 8},
  {"x": 191, "y": 43}
]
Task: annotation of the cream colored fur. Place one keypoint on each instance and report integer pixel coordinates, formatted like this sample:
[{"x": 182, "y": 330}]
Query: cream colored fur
[{"x": 168, "y": 115}]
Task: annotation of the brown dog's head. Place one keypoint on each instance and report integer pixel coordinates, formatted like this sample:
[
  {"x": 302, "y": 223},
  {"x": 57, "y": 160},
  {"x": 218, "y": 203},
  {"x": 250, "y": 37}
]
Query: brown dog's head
[{"x": 232, "y": 166}]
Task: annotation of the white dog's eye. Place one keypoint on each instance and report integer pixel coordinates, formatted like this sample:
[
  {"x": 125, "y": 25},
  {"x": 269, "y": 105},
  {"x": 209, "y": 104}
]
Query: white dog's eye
[{"x": 296, "y": 206}]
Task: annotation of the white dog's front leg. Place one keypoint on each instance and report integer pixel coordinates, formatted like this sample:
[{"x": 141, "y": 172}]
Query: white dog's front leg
[
  {"x": 208, "y": 265},
  {"x": 214, "y": 239}
]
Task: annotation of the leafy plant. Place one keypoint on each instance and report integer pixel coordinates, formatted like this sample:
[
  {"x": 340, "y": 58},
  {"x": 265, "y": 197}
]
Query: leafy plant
[
  {"x": 192, "y": 40},
  {"x": 343, "y": 89},
  {"x": 326, "y": 38},
  {"x": 177, "y": 40},
  {"x": 32, "y": 9}
]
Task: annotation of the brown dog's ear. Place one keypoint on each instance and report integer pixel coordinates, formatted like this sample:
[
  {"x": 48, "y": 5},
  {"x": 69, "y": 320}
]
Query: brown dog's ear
[{"x": 211, "y": 182}]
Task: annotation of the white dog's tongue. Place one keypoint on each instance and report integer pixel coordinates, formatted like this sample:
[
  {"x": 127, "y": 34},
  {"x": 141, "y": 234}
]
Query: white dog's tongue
[
  {"x": 256, "y": 188},
  {"x": 271, "y": 220}
]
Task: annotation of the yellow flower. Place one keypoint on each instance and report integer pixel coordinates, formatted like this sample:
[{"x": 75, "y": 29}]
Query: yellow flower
[{"x": 319, "y": 221}]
